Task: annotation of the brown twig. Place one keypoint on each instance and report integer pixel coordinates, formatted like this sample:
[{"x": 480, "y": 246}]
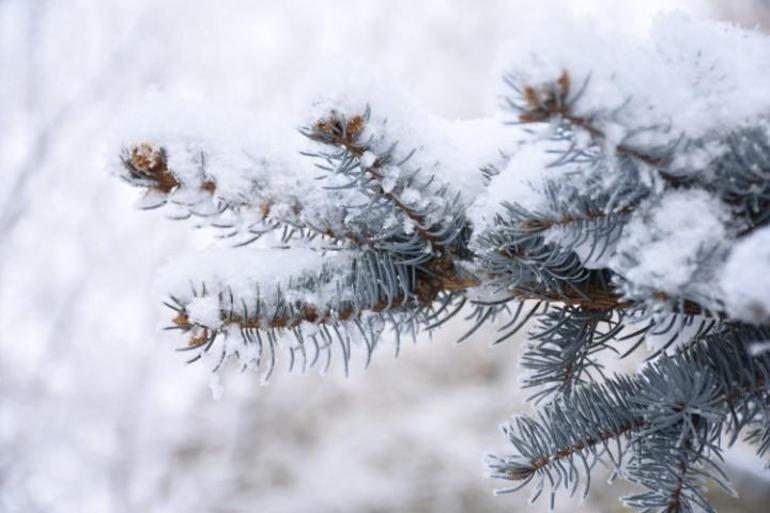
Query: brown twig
[
  {"x": 581, "y": 445},
  {"x": 592, "y": 297},
  {"x": 538, "y": 225}
]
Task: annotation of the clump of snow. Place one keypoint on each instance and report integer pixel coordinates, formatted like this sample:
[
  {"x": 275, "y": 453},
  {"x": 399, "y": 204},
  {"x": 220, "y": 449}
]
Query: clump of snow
[
  {"x": 204, "y": 311},
  {"x": 368, "y": 159},
  {"x": 746, "y": 278},
  {"x": 390, "y": 178},
  {"x": 521, "y": 181},
  {"x": 411, "y": 197},
  {"x": 665, "y": 245},
  {"x": 455, "y": 150}
]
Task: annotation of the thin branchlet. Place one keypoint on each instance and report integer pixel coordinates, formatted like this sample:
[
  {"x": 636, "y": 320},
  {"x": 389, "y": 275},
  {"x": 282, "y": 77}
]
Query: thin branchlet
[
  {"x": 557, "y": 100},
  {"x": 669, "y": 417}
]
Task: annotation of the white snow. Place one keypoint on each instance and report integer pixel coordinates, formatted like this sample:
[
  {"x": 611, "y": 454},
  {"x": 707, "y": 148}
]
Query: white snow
[
  {"x": 205, "y": 311},
  {"x": 520, "y": 181},
  {"x": 215, "y": 386},
  {"x": 390, "y": 178},
  {"x": 247, "y": 273},
  {"x": 411, "y": 197},
  {"x": 368, "y": 159},
  {"x": 746, "y": 278},
  {"x": 683, "y": 75},
  {"x": 668, "y": 240}
]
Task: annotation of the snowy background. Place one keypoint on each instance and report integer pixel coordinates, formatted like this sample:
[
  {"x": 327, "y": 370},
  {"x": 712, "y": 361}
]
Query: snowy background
[{"x": 97, "y": 412}]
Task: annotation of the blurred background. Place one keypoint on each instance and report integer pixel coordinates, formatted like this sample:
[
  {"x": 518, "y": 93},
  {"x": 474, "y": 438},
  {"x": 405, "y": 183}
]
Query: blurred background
[{"x": 97, "y": 412}]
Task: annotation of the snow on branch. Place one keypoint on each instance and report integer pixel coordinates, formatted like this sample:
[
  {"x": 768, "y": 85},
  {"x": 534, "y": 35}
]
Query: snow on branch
[{"x": 613, "y": 210}]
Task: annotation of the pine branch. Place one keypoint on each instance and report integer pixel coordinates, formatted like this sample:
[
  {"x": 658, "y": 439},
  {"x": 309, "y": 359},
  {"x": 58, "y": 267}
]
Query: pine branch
[
  {"x": 569, "y": 436},
  {"x": 685, "y": 399}
]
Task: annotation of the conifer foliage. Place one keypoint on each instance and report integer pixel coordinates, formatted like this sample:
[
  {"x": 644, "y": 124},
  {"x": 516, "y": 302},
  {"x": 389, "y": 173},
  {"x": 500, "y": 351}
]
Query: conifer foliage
[{"x": 625, "y": 213}]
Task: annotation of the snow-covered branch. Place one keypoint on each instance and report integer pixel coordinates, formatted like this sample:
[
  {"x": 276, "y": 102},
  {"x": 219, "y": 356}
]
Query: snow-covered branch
[{"x": 629, "y": 209}]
